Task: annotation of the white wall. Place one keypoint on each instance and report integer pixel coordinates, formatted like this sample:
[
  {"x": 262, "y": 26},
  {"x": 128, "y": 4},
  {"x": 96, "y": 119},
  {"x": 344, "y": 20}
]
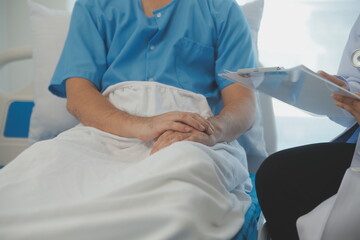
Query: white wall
[
  {"x": 15, "y": 32},
  {"x": 3, "y": 43}
]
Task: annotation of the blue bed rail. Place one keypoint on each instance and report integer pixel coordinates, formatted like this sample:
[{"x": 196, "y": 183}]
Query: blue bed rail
[{"x": 18, "y": 119}]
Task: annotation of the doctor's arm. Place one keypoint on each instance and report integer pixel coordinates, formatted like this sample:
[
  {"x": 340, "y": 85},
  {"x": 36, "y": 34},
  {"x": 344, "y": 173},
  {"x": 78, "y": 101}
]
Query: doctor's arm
[
  {"x": 92, "y": 109},
  {"x": 351, "y": 105}
]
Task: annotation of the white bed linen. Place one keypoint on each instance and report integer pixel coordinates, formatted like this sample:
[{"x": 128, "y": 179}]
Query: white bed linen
[{"x": 88, "y": 184}]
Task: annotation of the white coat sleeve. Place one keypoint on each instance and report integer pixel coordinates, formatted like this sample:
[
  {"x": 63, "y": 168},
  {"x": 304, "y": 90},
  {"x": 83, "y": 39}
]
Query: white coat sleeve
[{"x": 346, "y": 70}]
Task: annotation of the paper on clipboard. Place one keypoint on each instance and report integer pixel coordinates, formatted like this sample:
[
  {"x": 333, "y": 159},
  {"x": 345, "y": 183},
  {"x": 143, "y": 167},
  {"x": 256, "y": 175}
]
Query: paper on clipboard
[{"x": 297, "y": 86}]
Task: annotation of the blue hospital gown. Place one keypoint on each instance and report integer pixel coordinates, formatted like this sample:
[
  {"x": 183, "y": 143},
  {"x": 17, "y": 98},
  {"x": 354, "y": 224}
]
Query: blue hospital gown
[{"x": 186, "y": 44}]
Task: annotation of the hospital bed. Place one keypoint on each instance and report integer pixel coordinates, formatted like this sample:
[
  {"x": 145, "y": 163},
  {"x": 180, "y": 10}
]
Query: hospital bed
[{"x": 16, "y": 110}]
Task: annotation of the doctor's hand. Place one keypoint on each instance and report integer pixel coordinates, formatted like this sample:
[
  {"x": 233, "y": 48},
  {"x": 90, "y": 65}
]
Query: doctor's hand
[
  {"x": 349, "y": 104},
  {"x": 169, "y": 137},
  {"x": 150, "y": 128},
  {"x": 333, "y": 79}
]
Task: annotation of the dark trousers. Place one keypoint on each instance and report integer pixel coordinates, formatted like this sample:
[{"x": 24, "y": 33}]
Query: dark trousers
[{"x": 292, "y": 182}]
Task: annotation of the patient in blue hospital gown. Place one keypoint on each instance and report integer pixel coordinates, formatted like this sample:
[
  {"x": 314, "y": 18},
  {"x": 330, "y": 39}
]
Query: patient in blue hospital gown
[{"x": 155, "y": 155}]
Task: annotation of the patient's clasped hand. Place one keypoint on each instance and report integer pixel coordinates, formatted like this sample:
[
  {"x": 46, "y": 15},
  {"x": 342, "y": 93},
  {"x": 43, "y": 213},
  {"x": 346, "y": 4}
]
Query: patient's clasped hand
[{"x": 155, "y": 155}]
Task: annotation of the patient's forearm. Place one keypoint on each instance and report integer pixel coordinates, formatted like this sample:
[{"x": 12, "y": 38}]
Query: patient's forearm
[
  {"x": 87, "y": 104},
  {"x": 237, "y": 115}
]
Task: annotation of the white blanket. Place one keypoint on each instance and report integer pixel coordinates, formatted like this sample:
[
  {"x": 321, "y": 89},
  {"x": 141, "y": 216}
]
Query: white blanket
[{"x": 88, "y": 184}]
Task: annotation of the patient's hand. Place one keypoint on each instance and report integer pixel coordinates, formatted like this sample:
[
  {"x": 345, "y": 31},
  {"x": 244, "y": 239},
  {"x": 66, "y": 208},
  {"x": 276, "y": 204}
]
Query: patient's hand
[
  {"x": 169, "y": 137},
  {"x": 349, "y": 104},
  {"x": 333, "y": 79},
  {"x": 150, "y": 128}
]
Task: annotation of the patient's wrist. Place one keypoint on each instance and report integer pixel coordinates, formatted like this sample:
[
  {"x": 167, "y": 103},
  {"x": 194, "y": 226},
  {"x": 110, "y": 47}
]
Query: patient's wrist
[{"x": 218, "y": 128}]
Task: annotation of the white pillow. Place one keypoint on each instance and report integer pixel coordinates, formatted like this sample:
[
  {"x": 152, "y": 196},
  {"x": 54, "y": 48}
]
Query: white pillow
[
  {"x": 49, "y": 29},
  {"x": 253, "y": 12}
]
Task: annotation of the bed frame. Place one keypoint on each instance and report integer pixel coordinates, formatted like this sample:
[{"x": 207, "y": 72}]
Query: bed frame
[{"x": 15, "y": 110}]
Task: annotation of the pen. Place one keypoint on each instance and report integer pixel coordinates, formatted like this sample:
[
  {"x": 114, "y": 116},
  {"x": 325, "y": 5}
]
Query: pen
[{"x": 248, "y": 70}]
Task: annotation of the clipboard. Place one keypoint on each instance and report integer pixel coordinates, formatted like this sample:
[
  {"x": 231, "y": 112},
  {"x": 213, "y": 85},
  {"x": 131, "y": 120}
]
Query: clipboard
[{"x": 298, "y": 86}]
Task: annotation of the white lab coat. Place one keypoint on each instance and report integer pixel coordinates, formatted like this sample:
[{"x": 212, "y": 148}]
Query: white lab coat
[{"x": 339, "y": 216}]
